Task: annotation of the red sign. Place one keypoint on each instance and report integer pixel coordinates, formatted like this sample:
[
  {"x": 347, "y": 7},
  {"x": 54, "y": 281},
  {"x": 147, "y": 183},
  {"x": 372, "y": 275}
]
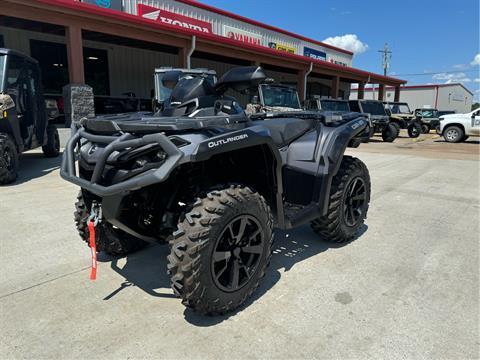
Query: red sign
[{"x": 167, "y": 17}]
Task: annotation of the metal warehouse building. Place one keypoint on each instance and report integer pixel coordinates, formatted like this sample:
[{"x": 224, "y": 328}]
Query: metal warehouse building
[
  {"x": 453, "y": 97},
  {"x": 115, "y": 45}
]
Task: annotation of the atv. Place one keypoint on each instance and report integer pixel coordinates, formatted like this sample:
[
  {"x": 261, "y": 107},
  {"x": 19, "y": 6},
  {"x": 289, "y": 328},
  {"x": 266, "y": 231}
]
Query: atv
[
  {"x": 24, "y": 114},
  {"x": 403, "y": 118},
  {"x": 378, "y": 116},
  {"x": 326, "y": 104},
  {"x": 214, "y": 183},
  {"x": 273, "y": 98},
  {"x": 429, "y": 119}
]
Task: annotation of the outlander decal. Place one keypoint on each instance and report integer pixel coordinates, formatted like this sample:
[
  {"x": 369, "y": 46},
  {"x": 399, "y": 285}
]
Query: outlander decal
[{"x": 219, "y": 142}]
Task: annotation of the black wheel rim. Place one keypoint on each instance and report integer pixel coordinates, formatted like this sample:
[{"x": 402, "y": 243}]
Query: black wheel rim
[
  {"x": 355, "y": 197},
  {"x": 8, "y": 158},
  {"x": 237, "y": 253}
]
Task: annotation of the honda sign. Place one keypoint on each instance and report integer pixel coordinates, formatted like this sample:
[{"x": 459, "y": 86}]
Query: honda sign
[{"x": 170, "y": 18}]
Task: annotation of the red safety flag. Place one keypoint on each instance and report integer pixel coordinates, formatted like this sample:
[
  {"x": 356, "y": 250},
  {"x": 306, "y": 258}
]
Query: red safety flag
[{"x": 93, "y": 249}]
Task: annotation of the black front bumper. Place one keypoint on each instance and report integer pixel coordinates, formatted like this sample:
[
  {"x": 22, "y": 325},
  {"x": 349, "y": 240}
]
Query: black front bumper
[{"x": 117, "y": 143}]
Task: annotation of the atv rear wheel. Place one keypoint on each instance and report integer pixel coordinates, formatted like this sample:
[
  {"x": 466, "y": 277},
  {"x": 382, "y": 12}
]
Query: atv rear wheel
[
  {"x": 390, "y": 133},
  {"x": 52, "y": 147},
  {"x": 349, "y": 199},
  {"x": 8, "y": 160},
  {"x": 221, "y": 250},
  {"x": 109, "y": 239},
  {"x": 414, "y": 130},
  {"x": 425, "y": 129}
]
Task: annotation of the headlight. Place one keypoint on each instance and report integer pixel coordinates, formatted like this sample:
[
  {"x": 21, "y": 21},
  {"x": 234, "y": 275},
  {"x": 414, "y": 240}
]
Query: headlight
[{"x": 6, "y": 102}]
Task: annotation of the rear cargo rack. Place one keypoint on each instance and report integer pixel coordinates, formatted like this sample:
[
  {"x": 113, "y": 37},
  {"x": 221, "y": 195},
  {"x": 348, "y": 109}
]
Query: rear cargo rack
[{"x": 116, "y": 143}]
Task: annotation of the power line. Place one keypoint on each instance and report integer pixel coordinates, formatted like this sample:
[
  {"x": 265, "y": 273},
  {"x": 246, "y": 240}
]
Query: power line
[{"x": 439, "y": 72}]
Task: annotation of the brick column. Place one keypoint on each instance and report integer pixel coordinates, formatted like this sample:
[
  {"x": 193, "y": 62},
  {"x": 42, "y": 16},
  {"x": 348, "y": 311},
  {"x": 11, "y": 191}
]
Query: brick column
[
  {"x": 397, "y": 94},
  {"x": 361, "y": 91},
  {"x": 75, "y": 54},
  {"x": 335, "y": 87},
  {"x": 301, "y": 85},
  {"x": 381, "y": 92},
  {"x": 182, "y": 58}
]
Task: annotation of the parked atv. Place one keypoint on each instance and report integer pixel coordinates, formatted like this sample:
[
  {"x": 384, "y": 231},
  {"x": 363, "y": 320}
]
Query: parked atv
[
  {"x": 317, "y": 103},
  {"x": 215, "y": 183},
  {"x": 429, "y": 119},
  {"x": 274, "y": 98},
  {"x": 378, "y": 116},
  {"x": 24, "y": 114},
  {"x": 403, "y": 118}
]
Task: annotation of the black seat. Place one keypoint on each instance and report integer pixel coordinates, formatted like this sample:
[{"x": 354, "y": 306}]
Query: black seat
[{"x": 286, "y": 130}]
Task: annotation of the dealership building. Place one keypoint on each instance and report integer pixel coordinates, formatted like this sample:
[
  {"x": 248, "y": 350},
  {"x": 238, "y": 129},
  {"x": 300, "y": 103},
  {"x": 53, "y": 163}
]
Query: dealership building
[
  {"x": 445, "y": 97},
  {"x": 115, "y": 45}
]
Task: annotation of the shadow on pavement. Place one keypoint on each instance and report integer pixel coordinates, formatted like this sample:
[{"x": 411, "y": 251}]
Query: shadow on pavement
[
  {"x": 147, "y": 268},
  {"x": 34, "y": 165},
  {"x": 473, "y": 142}
]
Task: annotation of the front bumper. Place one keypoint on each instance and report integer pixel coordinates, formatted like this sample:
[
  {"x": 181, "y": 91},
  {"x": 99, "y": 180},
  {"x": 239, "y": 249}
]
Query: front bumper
[{"x": 116, "y": 143}]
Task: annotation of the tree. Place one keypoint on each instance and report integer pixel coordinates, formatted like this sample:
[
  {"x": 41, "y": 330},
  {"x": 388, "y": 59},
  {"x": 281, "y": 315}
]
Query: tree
[{"x": 475, "y": 106}]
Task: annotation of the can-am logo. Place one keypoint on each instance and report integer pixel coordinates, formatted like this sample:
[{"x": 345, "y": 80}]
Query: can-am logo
[
  {"x": 215, "y": 143},
  {"x": 167, "y": 17}
]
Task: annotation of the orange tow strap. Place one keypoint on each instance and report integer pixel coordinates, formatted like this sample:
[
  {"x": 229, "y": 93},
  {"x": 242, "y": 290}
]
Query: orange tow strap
[{"x": 93, "y": 249}]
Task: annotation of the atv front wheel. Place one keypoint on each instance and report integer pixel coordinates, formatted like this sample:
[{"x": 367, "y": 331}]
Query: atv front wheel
[
  {"x": 221, "y": 250},
  {"x": 52, "y": 147},
  {"x": 390, "y": 133},
  {"x": 414, "y": 130},
  {"x": 397, "y": 125},
  {"x": 349, "y": 199},
  {"x": 8, "y": 160},
  {"x": 109, "y": 239}
]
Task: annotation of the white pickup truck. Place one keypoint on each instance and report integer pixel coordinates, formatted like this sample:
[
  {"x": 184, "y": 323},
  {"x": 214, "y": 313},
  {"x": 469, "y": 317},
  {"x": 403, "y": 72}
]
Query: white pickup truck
[{"x": 458, "y": 127}]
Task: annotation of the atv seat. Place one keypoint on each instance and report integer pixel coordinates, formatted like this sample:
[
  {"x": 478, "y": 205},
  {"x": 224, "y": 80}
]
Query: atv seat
[{"x": 286, "y": 130}]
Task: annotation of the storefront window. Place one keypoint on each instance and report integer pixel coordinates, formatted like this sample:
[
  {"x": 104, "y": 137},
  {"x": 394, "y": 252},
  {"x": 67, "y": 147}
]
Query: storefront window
[
  {"x": 53, "y": 64},
  {"x": 95, "y": 63},
  {"x": 54, "y": 67}
]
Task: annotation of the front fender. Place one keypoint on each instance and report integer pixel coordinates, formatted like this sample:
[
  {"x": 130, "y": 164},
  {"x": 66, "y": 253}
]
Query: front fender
[
  {"x": 332, "y": 145},
  {"x": 243, "y": 138}
]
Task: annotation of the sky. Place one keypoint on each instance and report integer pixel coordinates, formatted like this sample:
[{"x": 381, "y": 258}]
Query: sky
[{"x": 432, "y": 42}]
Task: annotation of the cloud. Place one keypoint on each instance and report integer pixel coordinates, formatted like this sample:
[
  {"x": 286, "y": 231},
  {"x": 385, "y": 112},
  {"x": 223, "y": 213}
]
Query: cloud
[
  {"x": 347, "y": 42},
  {"x": 452, "y": 77},
  {"x": 477, "y": 80},
  {"x": 461, "y": 67},
  {"x": 476, "y": 60}
]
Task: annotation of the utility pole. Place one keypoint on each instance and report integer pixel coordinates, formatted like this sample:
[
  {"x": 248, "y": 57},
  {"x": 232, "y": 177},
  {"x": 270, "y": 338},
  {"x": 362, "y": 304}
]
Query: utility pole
[{"x": 386, "y": 55}]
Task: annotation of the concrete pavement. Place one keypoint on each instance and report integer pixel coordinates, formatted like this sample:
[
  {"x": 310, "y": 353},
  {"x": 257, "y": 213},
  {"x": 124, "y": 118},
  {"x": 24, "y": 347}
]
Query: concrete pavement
[{"x": 408, "y": 287}]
